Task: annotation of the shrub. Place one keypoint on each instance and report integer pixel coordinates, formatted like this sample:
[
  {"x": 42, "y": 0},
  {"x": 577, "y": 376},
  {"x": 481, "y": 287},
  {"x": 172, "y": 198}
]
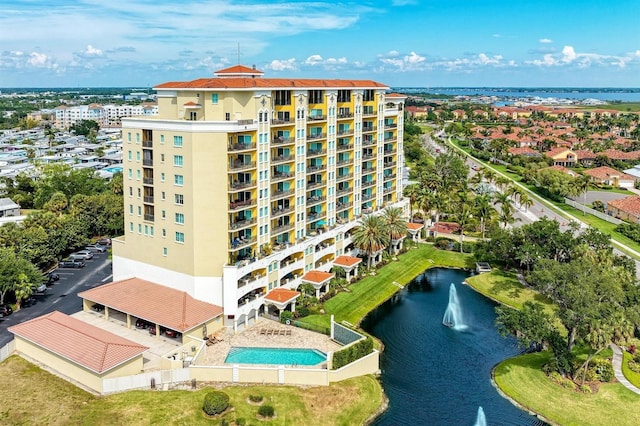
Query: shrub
[
  {"x": 286, "y": 316},
  {"x": 585, "y": 389},
  {"x": 303, "y": 311},
  {"x": 556, "y": 377},
  {"x": 240, "y": 421},
  {"x": 631, "y": 349},
  {"x": 266, "y": 410},
  {"x": 256, "y": 398},
  {"x": 215, "y": 402},
  {"x": 604, "y": 370},
  {"x": 351, "y": 353},
  {"x": 568, "y": 384}
]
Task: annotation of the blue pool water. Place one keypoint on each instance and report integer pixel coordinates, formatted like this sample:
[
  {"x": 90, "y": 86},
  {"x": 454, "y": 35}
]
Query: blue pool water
[
  {"x": 279, "y": 356},
  {"x": 113, "y": 169}
]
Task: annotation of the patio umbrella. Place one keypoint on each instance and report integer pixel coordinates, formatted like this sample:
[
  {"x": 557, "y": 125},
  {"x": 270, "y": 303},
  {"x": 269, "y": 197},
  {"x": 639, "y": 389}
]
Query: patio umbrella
[{"x": 321, "y": 223}]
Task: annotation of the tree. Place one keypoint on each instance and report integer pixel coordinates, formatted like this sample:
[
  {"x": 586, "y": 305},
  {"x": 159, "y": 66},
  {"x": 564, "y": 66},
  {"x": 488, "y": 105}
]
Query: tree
[
  {"x": 395, "y": 224},
  {"x": 17, "y": 275},
  {"x": 464, "y": 217},
  {"x": 84, "y": 127},
  {"x": 581, "y": 186},
  {"x": 371, "y": 236},
  {"x": 57, "y": 203},
  {"x": 412, "y": 192},
  {"x": 484, "y": 210}
]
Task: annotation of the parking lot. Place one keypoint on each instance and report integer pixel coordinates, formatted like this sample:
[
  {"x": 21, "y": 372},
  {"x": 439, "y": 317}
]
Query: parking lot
[{"x": 62, "y": 294}]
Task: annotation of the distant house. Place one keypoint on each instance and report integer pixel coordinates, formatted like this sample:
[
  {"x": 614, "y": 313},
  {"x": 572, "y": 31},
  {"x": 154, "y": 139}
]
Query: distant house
[
  {"x": 627, "y": 208},
  {"x": 585, "y": 157},
  {"x": 608, "y": 176},
  {"x": 524, "y": 151},
  {"x": 563, "y": 170},
  {"x": 8, "y": 208},
  {"x": 562, "y": 157}
]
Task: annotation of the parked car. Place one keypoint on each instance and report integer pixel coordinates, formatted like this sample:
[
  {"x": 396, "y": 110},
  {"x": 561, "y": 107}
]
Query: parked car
[
  {"x": 51, "y": 278},
  {"x": 97, "y": 307},
  {"x": 171, "y": 333},
  {"x": 71, "y": 263},
  {"x": 96, "y": 248},
  {"x": 5, "y": 310},
  {"x": 104, "y": 242},
  {"x": 29, "y": 301},
  {"x": 140, "y": 323},
  {"x": 81, "y": 254},
  {"x": 40, "y": 289}
]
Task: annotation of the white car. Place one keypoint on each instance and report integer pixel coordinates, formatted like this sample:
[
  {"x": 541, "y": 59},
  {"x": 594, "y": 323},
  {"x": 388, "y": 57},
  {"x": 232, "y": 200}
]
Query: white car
[
  {"x": 96, "y": 248},
  {"x": 82, "y": 254}
]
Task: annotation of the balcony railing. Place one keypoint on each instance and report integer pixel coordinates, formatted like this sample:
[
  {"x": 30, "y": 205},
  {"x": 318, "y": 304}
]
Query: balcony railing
[
  {"x": 281, "y": 159},
  {"x": 315, "y": 200},
  {"x": 241, "y": 224},
  {"x": 242, "y": 185},
  {"x": 235, "y": 166},
  {"x": 279, "y": 140},
  {"x": 367, "y": 156},
  {"x": 281, "y": 194},
  {"x": 390, "y": 139},
  {"x": 388, "y": 189},
  {"x": 149, "y": 217},
  {"x": 390, "y": 125},
  {"x": 389, "y": 151},
  {"x": 315, "y": 184},
  {"x": 316, "y": 117},
  {"x": 344, "y": 191},
  {"x": 316, "y": 215},
  {"x": 238, "y": 243},
  {"x": 345, "y": 146},
  {"x": 313, "y": 169},
  {"x": 280, "y": 211},
  {"x": 147, "y": 144},
  {"x": 147, "y": 162},
  {"x": 344, "y": 176},
  {"x": 316, "y": 136},
  {"x": 280, "y": 176},
  {"x": 345, "y": 132},
  {"x": 389, "y": 176},
  {"x": 367, "y": 170},
  {"x": 282, "y": 228},
  {"x": 241, "y": 146},
  {"x": 148, "y": 199},
  {"x": 315, "y": 152},
  {"x": 345, "y": 115},
  {"x": 239, "y": 205},
  {"x": 281, "y": 121},
  {"x": 368, "y": 142},
  {"x": 367, "y": 197},
  {"x": 344, "y": 206},
  {"x": 368, "y": 129},
  {"x": 389, "y": 164},
  {"x": 344, "y": 161},
  {"x": 147, "y": 181},
  {"x": 368, "y": 183}
]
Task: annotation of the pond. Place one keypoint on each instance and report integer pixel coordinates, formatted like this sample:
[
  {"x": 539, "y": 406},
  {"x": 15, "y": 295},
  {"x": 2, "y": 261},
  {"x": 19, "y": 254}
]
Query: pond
[{"x": 437, "y": 375}]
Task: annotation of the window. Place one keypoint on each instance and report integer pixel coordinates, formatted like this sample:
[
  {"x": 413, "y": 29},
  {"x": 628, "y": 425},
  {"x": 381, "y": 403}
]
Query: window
[
  {"x": 163, "y": 214},
  {"x": 131, "y": 226},
  {"x": 178, "y": 180},
  {"x": 178, "y": 160},
  {"x": 164, "y": 232},
  {"x": 344, "y": 95},
  {"x": 177, "y": 141},
  {"x": 180, "y": 218},
  {"x": 129, "y": 155},
  {"x": 138, "y": 174},
  {"x": 214, "y": 98},
  {"x": 179, "y": 237},
  {"x": 227, "y": 116},
  {"x": 130, "y": 173},
  {"x": 138, "y": 156},
  {"x": 130, "y": 192},
  {"x": 162, "y": 158},
  {"x": 129, "y": 136},
  {"x": 130, "y": 208},
  {"x": 137, "y": 137},
  {"x": 139, "y": 210},
  {"x": 139, "y": 228},
  {"x": 161, "y": 177},
  {"x": 315, "y": 97},
  {"x": 179, "y": 199},
  {"x": 161, "y": 138},
  {"x": 162, "y": 195},
  {"x": 283, "y": 97},
  {"x": 368, "y": 96},
  {"x": 164, "y": 251}
]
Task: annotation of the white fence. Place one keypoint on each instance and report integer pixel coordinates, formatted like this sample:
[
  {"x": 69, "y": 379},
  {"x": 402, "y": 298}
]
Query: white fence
[
  {"x": 7, "y": 350},
  {"x": 596, "y": 213},
  {"x": 143, "y": 381}
]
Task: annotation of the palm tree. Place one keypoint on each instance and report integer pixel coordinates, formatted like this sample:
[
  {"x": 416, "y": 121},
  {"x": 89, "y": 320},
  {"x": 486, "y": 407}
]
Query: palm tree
[
  {"x": 525, "y": 201},
  {"x": 412, "y": 192},
  {"x": 506, "y": 208},
  {"x": 581, "y": 186},
  {"x": 395, "y": 224},
  {"x": 484, "y": 210},
  {"x": 464, "y": 217},
  {"x": 371, "y": 236}
]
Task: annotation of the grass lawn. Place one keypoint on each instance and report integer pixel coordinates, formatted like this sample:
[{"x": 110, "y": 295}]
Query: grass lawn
[
  {"x": 523, "y": 380},
  {"x": 38, "y": 397},
  {"x": 631, "y": 375},
  {"x": 504, "y": 287},
  {"x": 371, "y": 291},
  {"x": 623, "y": 106}
]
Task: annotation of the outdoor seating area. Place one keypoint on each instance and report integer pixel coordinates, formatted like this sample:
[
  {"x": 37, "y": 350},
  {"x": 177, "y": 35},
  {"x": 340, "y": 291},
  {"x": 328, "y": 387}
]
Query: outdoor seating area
[
  {"x": 273, "y": 332},
  {"x": 212, "y": 339}
]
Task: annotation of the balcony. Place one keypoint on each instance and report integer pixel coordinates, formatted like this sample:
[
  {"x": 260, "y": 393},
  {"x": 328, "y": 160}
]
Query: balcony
[
  {"x": 367, "y": 197},
  {"x": 241, "y": 147},
  {"x": 390, "y": 125},
  {"x": 278, "y": 176},
  {"x": 316, "y": 152},
  {"x": 149, "y": 217},
  {"x": 241, "y": 205},
  {"x": 344, "y": 161},
  {"x": 390, "y": 139},
  {"x": 367, "y": 156},
  {"x": 280, "y": 140},
  {"x": 233, "y": 226},
  {"x": 316, "y": 117},
  {"x": 238, "y": 243},
  {"x": 236, "y": 186},
  {"x": 313, "y": 216},
  {"x": 369, "y": 113},
  {"x": 147, "y": 181},
  {"x": 281, "y": 121},
  {"x": 148, "y": 199},
  {"x": 343, "y": 206},
  {"x": 281, "y": 159},
  {"x": 316, "y": 136},
  {"x": 368, "y": 183},
  {"x": 315, "y": 200},
  {"x": 389, "y": 176},
  {"x": 315, "y": 184},
  {"x": 344, "y": 191},
  {"x": 147, "y": 162},
  {"x": 389, "y": 151},
  {"x": 368, "y": 142},
  {"x": 388, "y": 190},
  {"x": 367, "y": 170},
  {"x": 281, "y": 211},
  {"x": 344, "y": 177},
  {"x": 345, "y": 146},
  {"x": 239, "y": 165},
  {"x": 389, "y": 164},
  {"x": 314, "y": 169},
  {"x": 282, "y": 228},
  {"x": 345, "y": 132},
  {"x": 368, "y": 129},
  {"x": 147, "y": 144},
  {"x": 282, "y": 194},
  {"x": 345, "y": 115}
]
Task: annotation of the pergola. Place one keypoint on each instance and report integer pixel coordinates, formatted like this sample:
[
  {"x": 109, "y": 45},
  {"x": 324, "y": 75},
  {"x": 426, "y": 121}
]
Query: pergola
[
  {"x": 281, "y": 297},
  {"x": 414, "y": 230},
  {"x": 317, "y": 279},
  {"x": 348, "y": 264}
]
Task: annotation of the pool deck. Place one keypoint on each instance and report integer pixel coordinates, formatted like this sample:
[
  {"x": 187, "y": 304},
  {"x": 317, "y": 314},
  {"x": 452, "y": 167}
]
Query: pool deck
[{"x": 252, "y": 337}]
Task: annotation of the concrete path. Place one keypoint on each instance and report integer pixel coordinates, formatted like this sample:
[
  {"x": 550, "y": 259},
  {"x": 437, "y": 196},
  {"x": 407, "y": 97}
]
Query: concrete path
[{"x": 617, "y": 367}]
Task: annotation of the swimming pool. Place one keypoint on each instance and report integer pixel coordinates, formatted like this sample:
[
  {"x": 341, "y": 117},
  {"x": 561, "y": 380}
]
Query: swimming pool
[
  {"x": 115, "y": 169},
  {"x": 278, "y": 356}
]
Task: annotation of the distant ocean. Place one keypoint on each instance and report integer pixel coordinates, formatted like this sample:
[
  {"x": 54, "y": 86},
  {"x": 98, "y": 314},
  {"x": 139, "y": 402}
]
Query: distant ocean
[{"x": 603, "y": 94}]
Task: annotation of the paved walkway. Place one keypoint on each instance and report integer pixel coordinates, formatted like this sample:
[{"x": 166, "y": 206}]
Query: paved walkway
[{"x": 617, "y": 367}]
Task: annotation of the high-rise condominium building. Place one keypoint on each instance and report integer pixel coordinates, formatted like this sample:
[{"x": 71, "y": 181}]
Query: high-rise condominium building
[{"x": 242, "y": 185}]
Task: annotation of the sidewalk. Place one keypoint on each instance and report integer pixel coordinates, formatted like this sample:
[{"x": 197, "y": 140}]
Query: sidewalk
[{"x": 617, "y": 367}]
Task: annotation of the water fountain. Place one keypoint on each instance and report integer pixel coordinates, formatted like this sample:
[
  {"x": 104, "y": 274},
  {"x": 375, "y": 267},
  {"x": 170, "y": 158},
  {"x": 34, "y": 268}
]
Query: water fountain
[
  {"x": 481, "y": 420},
  {"x": 453, "y": 315}
]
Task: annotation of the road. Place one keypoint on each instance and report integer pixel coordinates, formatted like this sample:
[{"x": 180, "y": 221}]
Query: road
[{"x": 62, "y": 296}]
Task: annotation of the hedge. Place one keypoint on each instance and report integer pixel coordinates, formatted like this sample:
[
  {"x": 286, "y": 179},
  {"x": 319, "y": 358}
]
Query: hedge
[
  {"x": 215, "y": 403},
  {"x": 352, "y": 353}
]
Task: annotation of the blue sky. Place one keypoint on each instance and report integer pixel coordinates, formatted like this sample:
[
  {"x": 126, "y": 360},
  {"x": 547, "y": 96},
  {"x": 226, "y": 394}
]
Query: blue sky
[{"x": 93, "y": 43}]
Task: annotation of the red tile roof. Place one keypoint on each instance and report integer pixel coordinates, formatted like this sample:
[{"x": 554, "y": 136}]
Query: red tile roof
[
  {"x": 282, "y": 295},
  {"x": 317, "y": 277},
  {"x": 238, "y": 69},
  {"x": 606, "y": 173},
  {"x": 525, "y": 150},
  {"x": 347, "y": 261},
  {"x": 161, "y": 305},
  {"x": 628, "y": 204},
  {"x": 79, "y": 342},
  {"x": 585, "y": 154},
  {"x": 191, "y": 103},
  {"x": 557, "y": 151},
  {"x": 260, "y": 83},
  {"x": 388, "y": 95},
  {"x": 415, "y": 226}
]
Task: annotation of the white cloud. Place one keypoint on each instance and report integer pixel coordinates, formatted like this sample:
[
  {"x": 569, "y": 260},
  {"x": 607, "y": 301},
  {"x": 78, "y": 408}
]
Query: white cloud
[
  {"x": 327, "y": 64},
  {"x": 313, "y": 60},
  {"x": 92, "y": 51},
  {"x": 545, "y": 40},
  {"x": 38, "y": 60},
  {"x": 569, "y": 56},
  {"x": 485, "y": 60},
  {"x": 282, "y": 65}
]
